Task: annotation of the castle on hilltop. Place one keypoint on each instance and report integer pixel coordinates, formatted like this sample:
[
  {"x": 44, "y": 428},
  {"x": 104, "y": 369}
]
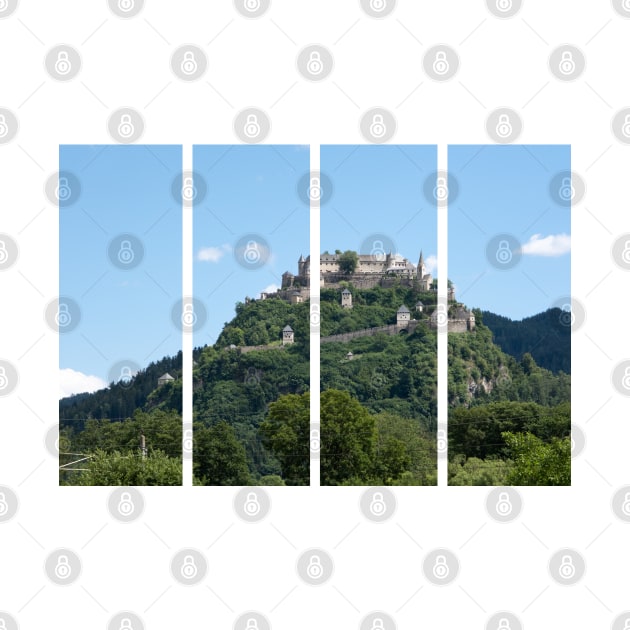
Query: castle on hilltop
[{"x": 378, "y": 269}]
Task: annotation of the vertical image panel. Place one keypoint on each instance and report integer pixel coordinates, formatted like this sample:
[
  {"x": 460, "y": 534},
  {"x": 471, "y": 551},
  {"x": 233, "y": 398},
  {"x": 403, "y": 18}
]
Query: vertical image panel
[
  {"x": 251, "y": 274},
  {"x": 120, "y": 284},
  {"x": 510, "y": 316},
  {"x": 378, "y": 284}
]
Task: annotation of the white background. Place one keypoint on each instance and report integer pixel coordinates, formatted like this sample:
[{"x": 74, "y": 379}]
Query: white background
[{"x": 252, "y": 63}]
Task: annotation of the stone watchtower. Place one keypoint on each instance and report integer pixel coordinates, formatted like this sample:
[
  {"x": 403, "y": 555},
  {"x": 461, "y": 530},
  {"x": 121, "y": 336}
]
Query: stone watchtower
[
  {"x": 403, "y": 316},
  {"x": 346, "y": 299},
  {"x": 287, "y": 335}
]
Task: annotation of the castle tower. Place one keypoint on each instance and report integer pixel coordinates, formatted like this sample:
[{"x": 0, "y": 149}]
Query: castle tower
[
  {"x": 403, "y": 316},
  {"x": 287, "y": 335},
  {"x": 346, "y": 299},
  {"x": 470, "y": 322},
  {"x": 287, "y": 280},
  {"x": 301, "y": 266},
  {"x": 422, "y": 270}
]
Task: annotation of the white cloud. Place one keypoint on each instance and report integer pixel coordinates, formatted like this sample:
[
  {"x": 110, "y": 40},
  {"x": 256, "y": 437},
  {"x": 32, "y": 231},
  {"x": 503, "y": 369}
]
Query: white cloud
[
  {"x": 270, "y": 288},
  {"x": 213, "y": 254},
  {"x": 552, "y": 245},
  {"x": 431, "y": 263},
  {"x": 73, "y": 382}
]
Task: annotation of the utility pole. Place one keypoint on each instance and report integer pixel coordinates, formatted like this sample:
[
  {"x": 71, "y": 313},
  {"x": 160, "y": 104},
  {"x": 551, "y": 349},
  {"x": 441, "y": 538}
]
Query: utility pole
[{"x": 143, "y": 446}]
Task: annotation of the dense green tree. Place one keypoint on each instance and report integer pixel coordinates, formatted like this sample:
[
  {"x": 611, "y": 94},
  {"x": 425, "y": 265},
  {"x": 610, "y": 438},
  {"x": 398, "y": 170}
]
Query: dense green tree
[
  {"x": 537, "y": 463},
  {"x": 219, "y": 458},
  {"x": 286, "y": 432},
  {"x": 348, "y": 438},
  {"x": 348, "y": 262}
]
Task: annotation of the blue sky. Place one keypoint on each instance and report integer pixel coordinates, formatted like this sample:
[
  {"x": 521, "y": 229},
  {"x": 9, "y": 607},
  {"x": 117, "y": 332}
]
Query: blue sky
[
  {"x": 506, "y": 189},
  {"x": 125, "y": 313},
  {"x": 379, "y": 189},
  {"x": 251, "y": 189}
]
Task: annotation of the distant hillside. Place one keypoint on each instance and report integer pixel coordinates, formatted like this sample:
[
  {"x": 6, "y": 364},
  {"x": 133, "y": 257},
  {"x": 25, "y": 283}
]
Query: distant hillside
[
  {"x": 546, "y": 336},
  {"x": 121, "y": 399}
]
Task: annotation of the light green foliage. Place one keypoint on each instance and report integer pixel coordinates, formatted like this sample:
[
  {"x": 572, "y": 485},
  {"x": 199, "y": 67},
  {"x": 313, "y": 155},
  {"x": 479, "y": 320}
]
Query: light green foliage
[{"x": 130, "y": 469}]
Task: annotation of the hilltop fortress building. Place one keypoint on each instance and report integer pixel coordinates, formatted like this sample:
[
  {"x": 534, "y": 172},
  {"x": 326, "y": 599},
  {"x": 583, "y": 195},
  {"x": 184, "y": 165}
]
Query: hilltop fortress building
[{"x": 372, "y": 270}]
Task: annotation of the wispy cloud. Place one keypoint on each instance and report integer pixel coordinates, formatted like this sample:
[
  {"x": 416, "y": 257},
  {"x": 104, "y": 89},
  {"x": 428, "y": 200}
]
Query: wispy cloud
[
  {"x": 431, "y": 263},
  {"x": 73, "y": 382},
  {"x": 213, "y": 254},
  {"x": 552, "y": 245}
]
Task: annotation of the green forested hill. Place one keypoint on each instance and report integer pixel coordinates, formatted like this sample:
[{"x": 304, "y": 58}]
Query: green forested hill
[
  {"x": 378, "y": 406},
  {"x": 546, "y": 336}
]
